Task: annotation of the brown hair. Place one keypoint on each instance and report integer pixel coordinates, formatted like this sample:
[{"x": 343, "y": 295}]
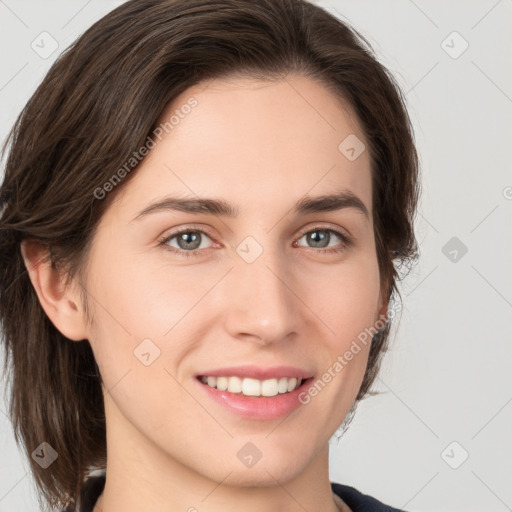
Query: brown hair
[{"x": 96, "y": 106}]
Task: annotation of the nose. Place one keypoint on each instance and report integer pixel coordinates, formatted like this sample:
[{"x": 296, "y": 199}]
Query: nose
[{"x": 260, "y": 302}]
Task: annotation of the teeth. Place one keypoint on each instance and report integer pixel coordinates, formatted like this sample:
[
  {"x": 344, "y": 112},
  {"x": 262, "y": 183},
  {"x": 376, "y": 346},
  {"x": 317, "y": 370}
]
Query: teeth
[
  {"x": 253, "y": 387},
  {"x": 222, "y": 383}
]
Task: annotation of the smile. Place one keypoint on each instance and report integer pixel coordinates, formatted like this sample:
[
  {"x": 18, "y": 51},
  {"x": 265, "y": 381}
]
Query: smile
[{"x": 252, "y": 387}]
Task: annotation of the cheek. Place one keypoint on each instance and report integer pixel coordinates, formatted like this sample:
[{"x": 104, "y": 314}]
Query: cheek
[
  {"x": 345, "y": 299},
  {"x": 145, "y": 295},
  {"x": 140, "y": 305}
]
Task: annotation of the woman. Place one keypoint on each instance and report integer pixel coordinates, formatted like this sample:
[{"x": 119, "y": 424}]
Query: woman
[{"x": 203, "y": 208}]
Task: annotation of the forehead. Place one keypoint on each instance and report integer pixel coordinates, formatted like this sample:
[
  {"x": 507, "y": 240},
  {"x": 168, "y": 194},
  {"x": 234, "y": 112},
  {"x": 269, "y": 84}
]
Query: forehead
[{"x": 256, "y": 142}]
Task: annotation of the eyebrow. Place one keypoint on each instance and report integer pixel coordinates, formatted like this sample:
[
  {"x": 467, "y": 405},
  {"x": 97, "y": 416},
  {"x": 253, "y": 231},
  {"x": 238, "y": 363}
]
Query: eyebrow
[{"x": 219, "y": 207}]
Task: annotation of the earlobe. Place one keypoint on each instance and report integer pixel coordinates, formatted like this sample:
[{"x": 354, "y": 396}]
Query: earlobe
[
  {"x": 59, "y": 302},
  {"x": 383, "y": 308}
]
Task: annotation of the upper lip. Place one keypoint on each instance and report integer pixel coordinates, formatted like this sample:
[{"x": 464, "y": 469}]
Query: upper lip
[{"x": 256, "y": 372}]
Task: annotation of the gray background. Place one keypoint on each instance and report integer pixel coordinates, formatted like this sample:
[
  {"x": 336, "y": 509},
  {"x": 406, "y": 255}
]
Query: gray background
[{"x": 447, "y": 381}]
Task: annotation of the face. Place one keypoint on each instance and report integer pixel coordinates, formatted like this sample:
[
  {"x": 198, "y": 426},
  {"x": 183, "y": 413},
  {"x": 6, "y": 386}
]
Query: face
[{"x": 266, "y": 291}]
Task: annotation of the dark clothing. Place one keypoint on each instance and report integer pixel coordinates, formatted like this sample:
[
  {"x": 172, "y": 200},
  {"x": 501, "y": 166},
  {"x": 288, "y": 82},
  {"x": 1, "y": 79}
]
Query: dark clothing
[{"x": 357, "y": 501}]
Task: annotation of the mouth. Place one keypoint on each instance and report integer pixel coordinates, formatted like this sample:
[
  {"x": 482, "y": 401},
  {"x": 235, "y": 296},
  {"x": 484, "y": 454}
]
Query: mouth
[
  {"x": 251, "y": 387},
  {"x": 255, "y": 398}
]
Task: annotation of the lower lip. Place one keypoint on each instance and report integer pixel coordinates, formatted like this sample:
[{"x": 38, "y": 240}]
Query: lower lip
[{"x": 258, "y": 407}]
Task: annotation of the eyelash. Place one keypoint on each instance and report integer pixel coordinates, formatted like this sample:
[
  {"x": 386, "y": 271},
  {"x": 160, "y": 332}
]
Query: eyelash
[{"x": 347, "y": 241}]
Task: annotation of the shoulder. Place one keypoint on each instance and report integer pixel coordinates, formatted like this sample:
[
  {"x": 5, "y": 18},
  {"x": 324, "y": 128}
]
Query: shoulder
[{"x": 360, "y": 502}]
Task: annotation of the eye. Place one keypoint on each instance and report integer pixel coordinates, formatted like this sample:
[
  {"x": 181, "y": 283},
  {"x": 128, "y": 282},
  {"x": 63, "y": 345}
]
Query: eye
[
  {"x": 188, "y": 242},
  {"x": 320, "y": 238}
]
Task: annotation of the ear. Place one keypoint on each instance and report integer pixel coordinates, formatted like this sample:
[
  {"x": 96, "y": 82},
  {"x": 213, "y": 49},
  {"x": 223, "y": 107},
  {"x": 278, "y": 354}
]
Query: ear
[
  {"x": 383, "y": 311},
  {"x": 61, "y": 304},
  {"x": 383, "y": 305}
]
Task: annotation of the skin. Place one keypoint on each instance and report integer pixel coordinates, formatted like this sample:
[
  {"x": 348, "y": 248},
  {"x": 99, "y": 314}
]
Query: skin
[{"x": 260, "y": 146}]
